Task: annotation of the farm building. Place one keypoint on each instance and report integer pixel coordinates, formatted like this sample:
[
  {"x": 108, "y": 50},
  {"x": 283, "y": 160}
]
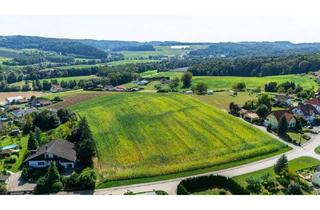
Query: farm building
[
  {"x": 108, "y": 88},
  {"x": 210, "y": 92},
  {"x": 14, "y": 132},
  {"x": 120, "y": 88},
  {"x": 40, "y": 102},
  {"x": 188, "y": 91},
  {"x": 8, "y": 150},
  {"x": 275, "y": 116},
  {"x": 12, "y": 100},
  {"x": 143, "y": 82},
  {"x": 60, "y": 151},
  {"x": 22, "y": 112},
  {"x": 251, "y": 116},
  {"x": 55, "y": 88}
]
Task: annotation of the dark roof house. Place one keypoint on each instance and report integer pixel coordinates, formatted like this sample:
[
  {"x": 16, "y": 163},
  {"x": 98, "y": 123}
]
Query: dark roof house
[{"x": 61, "y": 151}]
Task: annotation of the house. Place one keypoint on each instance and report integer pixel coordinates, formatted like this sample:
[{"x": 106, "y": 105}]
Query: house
[
  {"x": 283, "y": 99},
  {"x": 120, "y": 88},
  {"x": 251, "y": 116},
  {"x": 14, "y": 132},
  {"x": 22, "y": 101},
  {"x": 55, "y": 88},
  {"x": 274, "y": 117},
  {"x": 109, "y": 88},
  {"x": 8, "y": 150},
  {"x": 242, "y": 112},
  {"x": 314, "y": 102},
  {"x": 12, "y": 100},
  {"x": 210, "y": 92},
  {"x": 40, "y": 102},
  {"x": 306, "y": 112},
  {"x": 143, "y": 82},
  {"x": 22, "y": 112},
  {"x": 60, "y": 151}
]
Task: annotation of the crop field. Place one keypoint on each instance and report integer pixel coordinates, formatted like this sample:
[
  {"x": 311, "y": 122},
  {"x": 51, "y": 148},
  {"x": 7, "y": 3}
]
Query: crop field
[
  {"x": 160, "y": 51},
  {"x": 144, "y": 134},
  {"x": 223, "y": 99},
  {"x": 131, "y": 61}
]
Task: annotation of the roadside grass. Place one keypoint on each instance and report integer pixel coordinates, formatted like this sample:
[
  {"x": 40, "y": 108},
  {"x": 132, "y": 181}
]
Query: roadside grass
[
  {"x": 295, "y": 164},
  {"x": 174, "y": 132}
]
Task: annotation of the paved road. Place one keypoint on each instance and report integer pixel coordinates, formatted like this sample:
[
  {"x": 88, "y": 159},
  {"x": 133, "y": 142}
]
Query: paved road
[{"x": 170, "y": 185}]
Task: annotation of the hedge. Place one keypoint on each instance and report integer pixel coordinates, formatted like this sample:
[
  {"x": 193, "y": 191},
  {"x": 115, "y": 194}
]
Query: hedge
[{"x": 202, "y": 183}]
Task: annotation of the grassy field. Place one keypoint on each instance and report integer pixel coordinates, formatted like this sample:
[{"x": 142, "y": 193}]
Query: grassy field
[
  {"x": 223, "y": 99},
  {"x": 296, "y": 164},
  {"x": 226, "y": 82},
  {"x": 130, "y": 61},
  {"x": 141, "y": 135},
  {"x": 160, "y": 51},
  {"x": 59, "y": 79},
  {"x": 218, "y": 83}
]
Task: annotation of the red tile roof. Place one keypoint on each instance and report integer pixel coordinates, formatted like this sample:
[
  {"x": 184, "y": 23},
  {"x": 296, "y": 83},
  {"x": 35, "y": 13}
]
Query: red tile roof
[
  {"x": 286, "y": 113},
  {"x": 313, "y": 101}
]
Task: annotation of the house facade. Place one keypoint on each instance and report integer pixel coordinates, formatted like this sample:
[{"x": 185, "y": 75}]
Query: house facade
[
  {"x": 60, "y": 151},
  {"x": 274, "y": 117}
]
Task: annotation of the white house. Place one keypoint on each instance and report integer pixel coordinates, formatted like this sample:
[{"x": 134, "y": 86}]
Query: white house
[
  {"x": 60, "y": 151},
  {"x": 274, "y": 117}
]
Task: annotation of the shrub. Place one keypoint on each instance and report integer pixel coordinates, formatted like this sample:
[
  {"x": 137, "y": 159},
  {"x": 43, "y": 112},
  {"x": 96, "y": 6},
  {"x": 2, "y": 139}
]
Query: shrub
[
  {"x": 254, "y": 185},
  {"x": 72, "y": 182},
  {"x": 3, "y": 189},
  {"x": 87, "y": 179},
  {"x": 282, "y": 164},
  {"x": 181, "y": 190},
  {"x": 201, "y": 183},
  {"x": 41, "y": 186},
  {"x": 10, "y": 160},
  {"x": 56, "y": 187},
  {"x": 294, "y": 189},
  {"x": 161, "y": 192}
]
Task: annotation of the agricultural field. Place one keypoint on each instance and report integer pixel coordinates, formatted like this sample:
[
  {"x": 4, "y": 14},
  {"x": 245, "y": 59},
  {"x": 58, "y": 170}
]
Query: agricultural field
[
  {"x": 130, "y": 61},
  {"x": 160, "y": 51},
  {"x": 59, "y": 79},
  {"x": 144, "y": 134},
  {"x": 223, "y": 99}
]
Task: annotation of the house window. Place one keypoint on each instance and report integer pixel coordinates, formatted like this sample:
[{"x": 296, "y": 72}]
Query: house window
[{"x": 40, "y": 163}]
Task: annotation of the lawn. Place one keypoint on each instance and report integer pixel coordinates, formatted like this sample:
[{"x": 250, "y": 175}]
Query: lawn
[
  {"x": 296, "y": 165},
  {"x": 144, "y": 134}
]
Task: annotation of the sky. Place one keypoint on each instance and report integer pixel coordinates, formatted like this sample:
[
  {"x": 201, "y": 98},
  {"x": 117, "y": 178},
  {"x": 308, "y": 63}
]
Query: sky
[{"x": 216, "y": 28}]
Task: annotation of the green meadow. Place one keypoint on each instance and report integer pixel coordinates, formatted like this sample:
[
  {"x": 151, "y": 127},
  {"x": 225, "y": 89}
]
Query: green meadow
[{"x": 143, "y": 134}]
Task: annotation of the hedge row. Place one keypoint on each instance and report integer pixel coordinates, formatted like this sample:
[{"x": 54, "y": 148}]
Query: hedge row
[{"x": 202, "y": 183}]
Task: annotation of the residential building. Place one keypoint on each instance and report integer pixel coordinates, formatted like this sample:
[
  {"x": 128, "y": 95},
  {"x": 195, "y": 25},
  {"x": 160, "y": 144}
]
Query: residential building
[
  {"x": 55, "y": 88},
  {"x": 40, "y": 102},
  {"x": 60, "y": 151},
  {"x": 306, "y": 112},
  {"x": 283, "y": 99},
  {"x": 274, "y": 117},
  {"x": 314, "y": 102}
]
